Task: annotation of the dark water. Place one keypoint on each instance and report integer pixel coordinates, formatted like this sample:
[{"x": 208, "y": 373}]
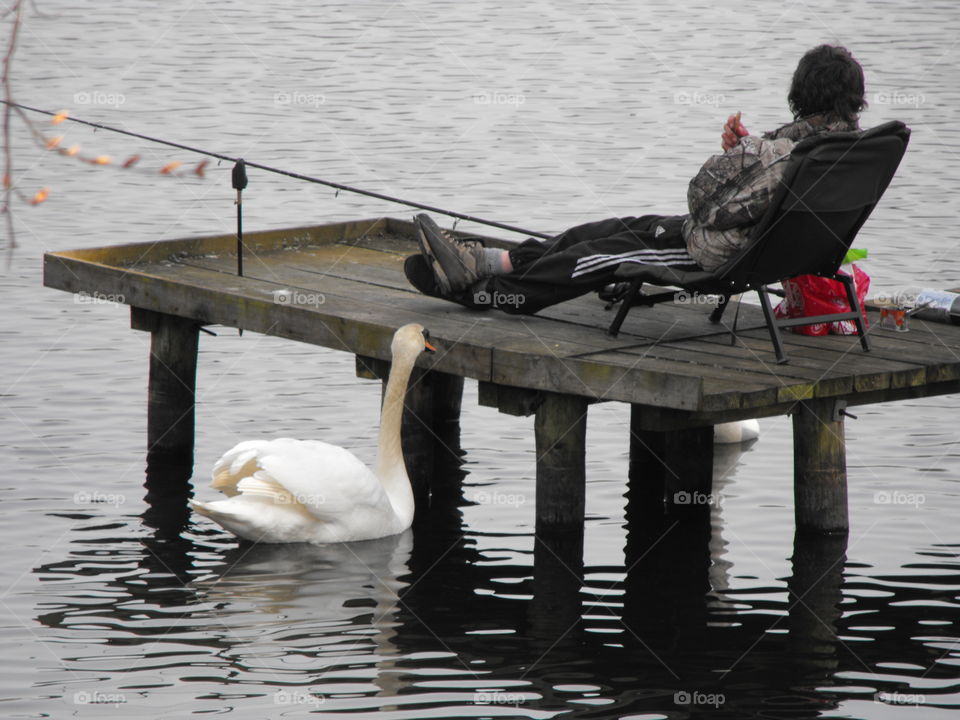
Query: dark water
[{"x": 539, "y": 114}]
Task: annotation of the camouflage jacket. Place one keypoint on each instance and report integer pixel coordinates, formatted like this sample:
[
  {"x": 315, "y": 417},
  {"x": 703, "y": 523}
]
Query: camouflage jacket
[{"x": 733, "y": 190}]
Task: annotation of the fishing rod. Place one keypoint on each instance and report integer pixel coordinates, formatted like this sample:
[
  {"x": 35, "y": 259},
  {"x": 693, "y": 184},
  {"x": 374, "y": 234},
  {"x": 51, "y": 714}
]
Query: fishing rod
[{"x": 287, "y": 173}]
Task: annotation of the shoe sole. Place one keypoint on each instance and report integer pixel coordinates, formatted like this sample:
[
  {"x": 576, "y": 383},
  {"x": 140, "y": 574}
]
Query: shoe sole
[
  {"x": 421, "y": 275},
  {"x": 442, "y": 282},
  {"x": 448, "y": 266}
]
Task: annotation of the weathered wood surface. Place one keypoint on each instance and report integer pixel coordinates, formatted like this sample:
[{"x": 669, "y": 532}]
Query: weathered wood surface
[
  {"x": 342, "y": 286},
  {"x": 819, "y": 468},
  {"x": 560, "y": 433}
]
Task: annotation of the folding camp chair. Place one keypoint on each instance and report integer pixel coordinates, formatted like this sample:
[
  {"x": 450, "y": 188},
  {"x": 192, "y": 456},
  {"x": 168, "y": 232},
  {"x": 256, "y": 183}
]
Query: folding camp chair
[{"x": 829, "y": 188}]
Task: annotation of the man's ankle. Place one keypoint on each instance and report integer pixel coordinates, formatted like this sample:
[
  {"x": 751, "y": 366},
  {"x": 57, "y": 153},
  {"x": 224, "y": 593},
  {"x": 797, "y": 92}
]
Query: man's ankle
[{"x": 495, "y": 262}]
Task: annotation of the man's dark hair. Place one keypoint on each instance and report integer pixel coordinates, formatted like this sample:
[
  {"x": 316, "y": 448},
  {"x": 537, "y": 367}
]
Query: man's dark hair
[{"x": 827, "y": 80}]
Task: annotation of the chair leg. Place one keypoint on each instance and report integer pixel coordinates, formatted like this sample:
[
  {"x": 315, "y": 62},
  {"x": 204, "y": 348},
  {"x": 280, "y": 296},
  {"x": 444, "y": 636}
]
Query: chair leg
[
  {"x": 717, "y": 313},
  {"x": 854, "y": 303},
  {"x": 772, "y": 326},
  {"x": 625, "y": 306}
]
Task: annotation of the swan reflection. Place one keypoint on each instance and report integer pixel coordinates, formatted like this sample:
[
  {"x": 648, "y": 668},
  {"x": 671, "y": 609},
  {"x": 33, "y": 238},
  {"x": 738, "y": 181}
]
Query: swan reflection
[{"x": 319, "y": 581}]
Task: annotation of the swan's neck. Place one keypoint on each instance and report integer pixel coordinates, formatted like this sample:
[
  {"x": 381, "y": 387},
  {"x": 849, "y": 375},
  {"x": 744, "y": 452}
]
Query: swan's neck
[{"x": 390, "y": 467}]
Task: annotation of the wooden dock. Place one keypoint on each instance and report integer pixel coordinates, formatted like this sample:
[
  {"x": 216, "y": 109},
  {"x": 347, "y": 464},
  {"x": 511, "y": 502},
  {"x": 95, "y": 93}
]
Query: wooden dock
[{"x": 342, "y": 286}]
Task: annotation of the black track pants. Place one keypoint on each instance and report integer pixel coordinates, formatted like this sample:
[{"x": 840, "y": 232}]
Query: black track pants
[{"x": 580, "y": 260}]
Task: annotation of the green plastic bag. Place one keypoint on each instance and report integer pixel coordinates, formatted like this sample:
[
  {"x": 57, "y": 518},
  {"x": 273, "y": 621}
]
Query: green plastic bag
[{"x": 854, "y": 254}]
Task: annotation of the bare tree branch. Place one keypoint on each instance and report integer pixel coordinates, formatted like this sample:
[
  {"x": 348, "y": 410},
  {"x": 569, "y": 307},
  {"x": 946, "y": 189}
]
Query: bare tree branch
[{"x": 6, "y": 208}]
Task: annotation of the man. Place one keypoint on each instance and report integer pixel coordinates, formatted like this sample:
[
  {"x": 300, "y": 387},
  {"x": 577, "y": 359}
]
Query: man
[{"x": 726, "y": 198}]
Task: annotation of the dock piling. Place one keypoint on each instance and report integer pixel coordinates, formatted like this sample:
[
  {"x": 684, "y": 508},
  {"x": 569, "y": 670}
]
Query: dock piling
[
  {"x": 171, "y": 399},
  {"x": 820, "y": 467},
  {"x": 675, "y": 466},
  {"x": 560, "y": 430},
  {"x": 171, "y": 394},
  {"x": 417, "y": 434},
  {"x": 430, "y": 430},
  {"x": 815, "y": 601}
]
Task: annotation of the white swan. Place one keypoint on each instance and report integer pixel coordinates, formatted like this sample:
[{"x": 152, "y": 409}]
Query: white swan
[
  {"x": 736, "y": 432},
  {"x": 284, "y": 490}
]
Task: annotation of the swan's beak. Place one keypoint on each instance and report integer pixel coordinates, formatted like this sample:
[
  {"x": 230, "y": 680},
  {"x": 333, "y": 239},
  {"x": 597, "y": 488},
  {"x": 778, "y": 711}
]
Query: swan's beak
[{"x": 427, "y": 347}]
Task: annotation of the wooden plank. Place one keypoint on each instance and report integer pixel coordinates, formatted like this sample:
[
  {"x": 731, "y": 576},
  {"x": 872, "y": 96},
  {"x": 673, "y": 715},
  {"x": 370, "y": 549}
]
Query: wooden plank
[
  {"x": 386, "y": 241},
  {"x": 720, "y": 390},
  {"x": 666, "y": 321},
  {"x": 352, "y": 276},
  {"x": 314, "y": 265},
  {"x": 333, "y": 268},
  {"x": 774, "y": 389},
  {"x": 660, "y": 418},
  {"x": 353, "y": 325},
  {"x": 547, "y": 342},
  {"x": 889, "y": 346},
  {"x": 941, "y": 363},
  {"x": 669, "y": 357},
  {"x": 260, "y": 241},
  {"x": 611, "y": 377},
  {"x": 867, "y": 371},
  {"x": 925, "y": 335},
  {"x": 930, "y": 389},
  {"x": 508, "y": 399},
  {"x": 741, "y": 359}
]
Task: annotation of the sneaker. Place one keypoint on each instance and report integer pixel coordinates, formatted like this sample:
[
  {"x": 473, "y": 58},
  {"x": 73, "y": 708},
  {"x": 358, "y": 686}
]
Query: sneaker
[
  {"x": 454, "y": 262},
  {"x": 420, "y": 274}
]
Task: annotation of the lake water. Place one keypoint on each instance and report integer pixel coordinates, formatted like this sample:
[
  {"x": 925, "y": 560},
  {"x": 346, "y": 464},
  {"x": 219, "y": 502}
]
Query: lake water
[{"x": 540, "y": 114}]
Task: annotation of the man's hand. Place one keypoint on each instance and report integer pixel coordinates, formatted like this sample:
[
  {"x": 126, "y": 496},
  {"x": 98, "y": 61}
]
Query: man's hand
[{"x": 732, "y": 132}]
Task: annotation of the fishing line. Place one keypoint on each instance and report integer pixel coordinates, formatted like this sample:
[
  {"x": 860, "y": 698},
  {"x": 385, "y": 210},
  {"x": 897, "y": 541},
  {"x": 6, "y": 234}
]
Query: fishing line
[{"x": 288, "y": 173}]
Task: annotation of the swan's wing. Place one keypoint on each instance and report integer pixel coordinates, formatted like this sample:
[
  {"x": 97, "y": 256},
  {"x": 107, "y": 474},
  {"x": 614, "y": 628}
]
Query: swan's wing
[
  {"x": 237, "y": 463},
  {"x": 325, "y": 480}
]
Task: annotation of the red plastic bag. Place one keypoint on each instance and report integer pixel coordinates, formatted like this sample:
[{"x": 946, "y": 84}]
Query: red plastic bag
[{"x": 809, "y": 295}]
